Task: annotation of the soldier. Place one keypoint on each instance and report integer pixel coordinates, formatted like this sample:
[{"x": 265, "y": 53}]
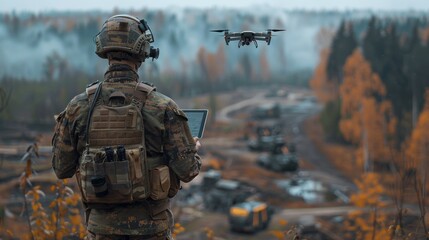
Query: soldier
[{"x": 129, "y": 145}]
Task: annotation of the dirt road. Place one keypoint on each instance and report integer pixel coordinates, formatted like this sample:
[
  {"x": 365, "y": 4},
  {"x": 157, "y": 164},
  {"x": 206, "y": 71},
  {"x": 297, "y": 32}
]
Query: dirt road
[{"x": 240, "y": 165}]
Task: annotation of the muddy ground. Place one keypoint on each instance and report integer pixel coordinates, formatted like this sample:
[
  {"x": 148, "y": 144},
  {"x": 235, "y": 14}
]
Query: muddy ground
[{"x": 225, "y": 148}]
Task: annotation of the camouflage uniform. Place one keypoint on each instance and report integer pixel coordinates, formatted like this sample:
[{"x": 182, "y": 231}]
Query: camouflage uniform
[{"x": 167, "y": 136}]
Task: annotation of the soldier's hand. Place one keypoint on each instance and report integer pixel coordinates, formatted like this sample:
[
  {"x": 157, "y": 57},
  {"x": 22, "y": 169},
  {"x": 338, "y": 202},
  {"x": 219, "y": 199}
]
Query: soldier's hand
[{"x": 197, "y": 143}]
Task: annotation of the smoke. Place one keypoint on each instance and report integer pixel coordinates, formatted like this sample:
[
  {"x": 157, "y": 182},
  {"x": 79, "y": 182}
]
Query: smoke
[{"x": 179, "y": 34}]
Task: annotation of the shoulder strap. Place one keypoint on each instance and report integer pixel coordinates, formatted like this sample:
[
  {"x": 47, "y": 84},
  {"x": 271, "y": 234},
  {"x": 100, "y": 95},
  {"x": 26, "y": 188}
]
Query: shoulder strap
[
  {"x": 91, "y": 88},
  {"x": 141, "y": 92},
  {"x": 144, "y": 87},
  {"x": 91, "y": 108}
]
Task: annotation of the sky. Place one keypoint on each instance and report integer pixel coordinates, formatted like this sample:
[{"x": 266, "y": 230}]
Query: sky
[{"x": 107, "y": 5}]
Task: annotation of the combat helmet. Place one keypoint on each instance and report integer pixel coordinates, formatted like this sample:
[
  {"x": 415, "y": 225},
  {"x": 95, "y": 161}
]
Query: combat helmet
[{"x": 125, "y": 37}]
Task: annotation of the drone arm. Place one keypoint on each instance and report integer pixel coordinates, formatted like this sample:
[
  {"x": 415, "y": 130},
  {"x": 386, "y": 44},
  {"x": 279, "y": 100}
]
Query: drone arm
[
  {"x": 233, "y": 34},
  {"x": 234, "y": 38},
  {"x": 255, "y": 42},
  {"x": 258, "y": 34},
  {"x": 266, "y": 39},
  {"x": 261, "y": 38}
]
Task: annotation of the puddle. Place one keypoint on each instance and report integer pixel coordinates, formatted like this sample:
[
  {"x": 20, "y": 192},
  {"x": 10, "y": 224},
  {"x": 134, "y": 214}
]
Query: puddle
[{"x": 309, "y": 190}]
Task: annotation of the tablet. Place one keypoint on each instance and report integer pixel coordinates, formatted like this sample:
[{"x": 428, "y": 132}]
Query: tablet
[{"x": 197, "y": 119}]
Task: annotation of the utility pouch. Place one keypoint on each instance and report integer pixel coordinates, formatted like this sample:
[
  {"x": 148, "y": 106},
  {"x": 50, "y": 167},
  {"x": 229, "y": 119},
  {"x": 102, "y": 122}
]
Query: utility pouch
[
  {"x": 160, "y": 182},
  {"x": 158, "y": 209},
  {"x": 139, "y": 173},
  {"x": 174, "y": 184},
  {"x": 105, "y": 182}
]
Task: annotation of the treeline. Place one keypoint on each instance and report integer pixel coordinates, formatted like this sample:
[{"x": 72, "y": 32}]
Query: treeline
[
  {"x": 373, "y": 82},
  {"x": 36, "y": 98},
  {"x": 399, "y": 58},
  {"x": 36, "y": 101}
]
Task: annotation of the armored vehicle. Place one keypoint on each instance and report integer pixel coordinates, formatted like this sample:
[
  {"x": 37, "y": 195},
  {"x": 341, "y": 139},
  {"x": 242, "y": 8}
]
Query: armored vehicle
[
  {"x": 210, "y": 179},
  {"x": 279, "y": 158},
  {"x": 268, "y": 135},
  {"x": 226, "y": 193},
  {"x": 267, "y": 111},
  {"x": 264, "y": 143},
  {"x": 278, "y": 162},
  {"x": 249, "y": 216}
]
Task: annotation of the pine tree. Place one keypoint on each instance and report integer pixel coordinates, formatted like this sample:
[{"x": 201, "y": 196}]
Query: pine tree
[
  {"x": 381, "y": 46},
  {"x": 343, "y": 45},
  {"x": 415, "y": 68}
]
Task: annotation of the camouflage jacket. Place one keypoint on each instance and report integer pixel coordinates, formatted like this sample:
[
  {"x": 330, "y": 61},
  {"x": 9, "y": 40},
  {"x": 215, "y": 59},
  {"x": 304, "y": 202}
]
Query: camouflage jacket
[{"x": 170, "y": 137}]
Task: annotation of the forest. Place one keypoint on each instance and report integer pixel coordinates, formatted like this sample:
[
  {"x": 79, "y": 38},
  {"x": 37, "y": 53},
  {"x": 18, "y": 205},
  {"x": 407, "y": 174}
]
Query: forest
[
  {"x": 374, "y": 86},
  {"x": 375, "y": 90}
]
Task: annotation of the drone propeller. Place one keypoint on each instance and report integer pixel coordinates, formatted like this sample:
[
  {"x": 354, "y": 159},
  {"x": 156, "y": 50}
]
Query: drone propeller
[
  {"x": 275, "y": 30},
  {"x": 219, "y": 30}
]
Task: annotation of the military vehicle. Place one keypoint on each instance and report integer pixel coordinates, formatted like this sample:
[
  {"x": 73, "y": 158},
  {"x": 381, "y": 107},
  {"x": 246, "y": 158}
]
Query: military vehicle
[
  {"x": 268, "y": 135},
  {"x": 250, "y": 216},
  {"x": 264, "y": 143},
  {"x": 211, "y": 177},
  {"x": 279, "y": 162},
  {"x": 226, "y": 193},
  {"x": 267, "y": 111},
  {"x": 279, "y": 158}
]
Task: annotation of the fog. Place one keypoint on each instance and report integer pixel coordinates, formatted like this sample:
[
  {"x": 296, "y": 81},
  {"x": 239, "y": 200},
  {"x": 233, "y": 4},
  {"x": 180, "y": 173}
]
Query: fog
[{"x": 179, "y": 33}]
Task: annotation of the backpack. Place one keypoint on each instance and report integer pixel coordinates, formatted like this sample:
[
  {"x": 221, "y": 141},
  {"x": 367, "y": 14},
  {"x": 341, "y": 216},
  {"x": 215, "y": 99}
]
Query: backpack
[{"x": 113, "y": 168}]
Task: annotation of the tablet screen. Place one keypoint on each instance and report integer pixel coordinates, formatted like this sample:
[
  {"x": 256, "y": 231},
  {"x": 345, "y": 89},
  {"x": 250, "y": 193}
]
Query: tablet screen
[{"x": 197, "y": 121}]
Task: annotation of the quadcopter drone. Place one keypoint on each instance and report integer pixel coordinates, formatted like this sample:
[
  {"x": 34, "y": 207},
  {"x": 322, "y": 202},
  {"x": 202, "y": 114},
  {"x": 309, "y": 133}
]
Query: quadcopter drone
[{"x": 246, "y": 37}]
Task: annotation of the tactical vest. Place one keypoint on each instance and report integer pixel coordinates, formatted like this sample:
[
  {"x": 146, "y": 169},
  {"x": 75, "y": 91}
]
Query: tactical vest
[{"x": 114, "y": 167}]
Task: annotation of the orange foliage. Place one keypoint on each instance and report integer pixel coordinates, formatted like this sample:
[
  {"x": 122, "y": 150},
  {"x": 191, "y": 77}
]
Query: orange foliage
[
  {"x": 212, "y": 64},
  {"x": 324, "y": 89},
  {"x": 369, "y": 222},
  {"x": 62, "y": 220},
  {"x": 365, "y": 120},
  {"x": 418, "y": 150},
  {"x": 424, "y": 33},
  {"x": 292, "y": 234},
  {"x": 177, "y": 229}
]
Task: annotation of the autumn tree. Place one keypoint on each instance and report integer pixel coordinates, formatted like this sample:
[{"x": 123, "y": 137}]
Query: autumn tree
[
  {"x": 322, "y": 87},
  {"x": 213, "y": 67},
  {"x": 370, "y": 221},
  {"x": 366, "y": 119},
  {"x": 418, "y": 150},
  {"x": 417, "y": 156}
]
